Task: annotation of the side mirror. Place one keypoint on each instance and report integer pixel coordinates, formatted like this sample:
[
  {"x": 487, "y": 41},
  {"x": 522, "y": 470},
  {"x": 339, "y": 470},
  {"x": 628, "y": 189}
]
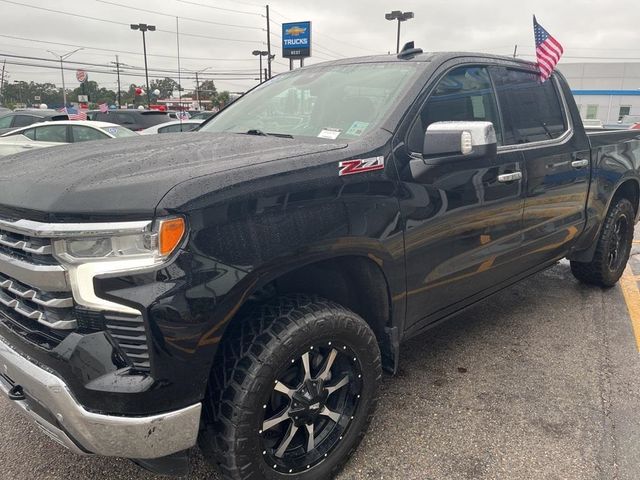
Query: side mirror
[
  {"x": 459, "y": 139},
  {"x": 450, "y": 142}
]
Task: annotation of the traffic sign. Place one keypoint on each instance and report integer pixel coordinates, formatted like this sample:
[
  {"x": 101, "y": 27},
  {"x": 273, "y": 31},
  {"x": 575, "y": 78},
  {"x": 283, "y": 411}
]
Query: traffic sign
[{"x": 81, "y": 75}]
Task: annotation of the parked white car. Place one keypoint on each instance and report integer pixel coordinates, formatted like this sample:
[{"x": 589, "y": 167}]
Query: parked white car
[
  {"x": 169, "y": 127},
  {"x": 50, "y": 134}
]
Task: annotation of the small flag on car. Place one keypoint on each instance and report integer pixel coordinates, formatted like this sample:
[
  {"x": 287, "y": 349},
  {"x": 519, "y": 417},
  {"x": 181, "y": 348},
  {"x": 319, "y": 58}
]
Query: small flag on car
[
  {"x": 74, "y": 114},
  {"x": 104, "y": 108},
  {"x": 548, "y": 50}
]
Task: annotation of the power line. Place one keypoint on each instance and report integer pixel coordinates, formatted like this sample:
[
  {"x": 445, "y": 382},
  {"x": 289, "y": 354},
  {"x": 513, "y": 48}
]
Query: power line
[
  {"x": 180, "y": 17},
  {"x": 86, "y": 17},
  {"x": 125, "y": 68},
  {"x": 111, "y": 72},
  {"x": 220, "y": 8},
  {"x": 125, "y": 51}
]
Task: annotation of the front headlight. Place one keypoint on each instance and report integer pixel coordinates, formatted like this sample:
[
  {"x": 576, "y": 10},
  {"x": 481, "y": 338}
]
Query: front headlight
[
  {"x": 106, "y": 249},
  {"x": 156, "y": 244}
]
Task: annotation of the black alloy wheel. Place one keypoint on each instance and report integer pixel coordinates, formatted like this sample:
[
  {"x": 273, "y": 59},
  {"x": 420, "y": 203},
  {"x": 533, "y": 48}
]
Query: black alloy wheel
[
  {"x": 312, "y": 405},
  {"x": 292, "y": 391},
  {"x": 617, "y": 244},
  {"x": 612, "y": 249}
]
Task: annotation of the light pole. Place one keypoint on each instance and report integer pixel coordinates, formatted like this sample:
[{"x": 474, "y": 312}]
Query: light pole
[
  {"x": 143, "y": 27},
  {"x": 61, "y": 58},
  {"x": 401, "y": 17},
  {"x": 261, "y": 53}
]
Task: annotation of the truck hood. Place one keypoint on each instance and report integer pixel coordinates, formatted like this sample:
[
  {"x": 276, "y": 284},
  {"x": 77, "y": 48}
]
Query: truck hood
[{"x": 129, "y": 176}]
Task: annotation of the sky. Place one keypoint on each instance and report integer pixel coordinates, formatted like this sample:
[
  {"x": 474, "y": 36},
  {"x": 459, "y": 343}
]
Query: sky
[{"x": 218, "y": 36}]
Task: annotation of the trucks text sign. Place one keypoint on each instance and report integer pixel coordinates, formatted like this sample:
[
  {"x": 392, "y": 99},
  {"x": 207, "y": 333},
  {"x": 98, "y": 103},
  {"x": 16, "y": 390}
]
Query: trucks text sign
[{"x": 296, "y": 40}]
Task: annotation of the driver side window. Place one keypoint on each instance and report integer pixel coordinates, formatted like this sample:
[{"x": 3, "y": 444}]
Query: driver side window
[{"x": 463, "y": 94}]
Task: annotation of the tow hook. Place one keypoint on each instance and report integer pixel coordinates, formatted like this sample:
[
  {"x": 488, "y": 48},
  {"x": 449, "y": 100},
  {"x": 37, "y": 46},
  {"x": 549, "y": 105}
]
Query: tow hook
[{"x": 16, "y": 393}]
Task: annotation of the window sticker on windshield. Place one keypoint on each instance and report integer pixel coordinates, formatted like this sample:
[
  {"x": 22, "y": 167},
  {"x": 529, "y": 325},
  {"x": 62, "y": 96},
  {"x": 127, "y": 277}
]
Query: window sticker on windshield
[
  {"x": 357, "y": 128},
  {"x": 330, "y": 133},
  {"x": 112, "y": 130}
]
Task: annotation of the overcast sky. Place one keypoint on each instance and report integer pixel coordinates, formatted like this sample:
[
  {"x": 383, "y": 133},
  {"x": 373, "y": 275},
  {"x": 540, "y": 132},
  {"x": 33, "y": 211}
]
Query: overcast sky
[{"x": 341, "y": 28}]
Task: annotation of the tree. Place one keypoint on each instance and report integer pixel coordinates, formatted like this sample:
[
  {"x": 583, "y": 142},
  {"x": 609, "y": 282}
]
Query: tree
[
  {"x": 21, "y": 92},
  {"x": 207, "y": 90},
  {"x": 166, "y": 86},
  {"x": 96, "y": 93}
]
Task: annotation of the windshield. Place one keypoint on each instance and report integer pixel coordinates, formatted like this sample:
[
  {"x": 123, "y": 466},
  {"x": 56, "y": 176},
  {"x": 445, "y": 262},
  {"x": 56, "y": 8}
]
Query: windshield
[{"x": 337, "y": 101}]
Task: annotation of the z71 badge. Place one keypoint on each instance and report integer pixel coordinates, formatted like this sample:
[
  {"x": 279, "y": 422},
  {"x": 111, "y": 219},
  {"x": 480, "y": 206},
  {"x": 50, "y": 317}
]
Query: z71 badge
[{"x": 349, "y": 167}]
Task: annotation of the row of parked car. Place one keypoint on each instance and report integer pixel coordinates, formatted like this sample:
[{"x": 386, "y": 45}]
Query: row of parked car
[{"x": 28, "y": 129}]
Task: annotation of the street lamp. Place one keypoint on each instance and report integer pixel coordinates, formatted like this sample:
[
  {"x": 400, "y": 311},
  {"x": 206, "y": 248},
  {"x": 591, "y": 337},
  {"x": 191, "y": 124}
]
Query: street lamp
[
  {"x": 143, "y": 27},
  {"x": 260, "y": 53},
  {"x": 61, "y": 58},
  {"x": 401, "y": 17}
]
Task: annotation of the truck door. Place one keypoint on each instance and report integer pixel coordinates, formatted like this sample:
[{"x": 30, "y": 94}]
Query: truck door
[
  {"x": 537, "y": 122},
  {"x": 462, "y": 225}
]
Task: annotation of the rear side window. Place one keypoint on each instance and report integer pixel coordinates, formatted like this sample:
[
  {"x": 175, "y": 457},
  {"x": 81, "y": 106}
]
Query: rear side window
[
  {"x": 170, "y": 129},
  {"x": 86, "y": 134},
  {"x": 531, "y": 110},
  {"x": 24, "y": 120},
  {"x": 179, "y": 127},
  {"x": 463, "y": 94},
  {"x": 52, "y": 133},
  {"x": 5, "y": 122}
]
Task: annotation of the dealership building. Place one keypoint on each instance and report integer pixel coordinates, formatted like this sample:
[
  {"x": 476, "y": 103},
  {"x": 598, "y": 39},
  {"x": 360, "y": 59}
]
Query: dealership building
[{"x": 604, "y": 91}]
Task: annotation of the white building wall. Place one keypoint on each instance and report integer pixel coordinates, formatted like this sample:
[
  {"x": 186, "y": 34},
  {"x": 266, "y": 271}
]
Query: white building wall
[{"x": 605, "y": 76}]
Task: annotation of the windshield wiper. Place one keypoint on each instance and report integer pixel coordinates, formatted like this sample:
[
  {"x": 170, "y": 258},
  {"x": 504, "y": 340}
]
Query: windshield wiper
[{"x": 255, "y": 131}]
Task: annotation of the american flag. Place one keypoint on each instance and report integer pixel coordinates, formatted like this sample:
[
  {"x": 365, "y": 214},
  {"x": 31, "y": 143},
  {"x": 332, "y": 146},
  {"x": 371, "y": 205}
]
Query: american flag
[
  {"x": 103, "y": 107},
  {"x": 548, "y": 50},
  {"x": 74, "y": 114}
]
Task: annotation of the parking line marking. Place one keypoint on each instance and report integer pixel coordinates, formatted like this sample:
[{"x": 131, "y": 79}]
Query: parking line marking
[{"x": 629, "y": 285}]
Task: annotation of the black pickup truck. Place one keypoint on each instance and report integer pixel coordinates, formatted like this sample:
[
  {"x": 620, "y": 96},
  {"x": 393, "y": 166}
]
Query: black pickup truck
[{"x": 242, "y": 287}]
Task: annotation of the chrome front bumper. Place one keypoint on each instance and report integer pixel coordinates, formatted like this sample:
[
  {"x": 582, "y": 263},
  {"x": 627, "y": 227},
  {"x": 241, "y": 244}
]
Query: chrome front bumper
[{"x": 84, "y": 432}]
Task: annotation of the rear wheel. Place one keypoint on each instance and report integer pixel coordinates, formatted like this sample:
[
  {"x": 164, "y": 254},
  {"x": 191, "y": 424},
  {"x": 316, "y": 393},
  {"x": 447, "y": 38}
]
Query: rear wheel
[
  {"x": 294, "y": 391},
  {"x": 613, "y": 248}
]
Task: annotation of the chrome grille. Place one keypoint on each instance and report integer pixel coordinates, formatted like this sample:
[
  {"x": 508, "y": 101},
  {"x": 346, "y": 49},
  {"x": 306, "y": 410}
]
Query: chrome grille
[{"x": 36, "y": 300}]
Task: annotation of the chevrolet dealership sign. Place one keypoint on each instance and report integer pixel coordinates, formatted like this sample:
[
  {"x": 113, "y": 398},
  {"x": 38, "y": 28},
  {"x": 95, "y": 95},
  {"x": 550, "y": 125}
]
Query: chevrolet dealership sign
[{"x": 296, "y": 40}]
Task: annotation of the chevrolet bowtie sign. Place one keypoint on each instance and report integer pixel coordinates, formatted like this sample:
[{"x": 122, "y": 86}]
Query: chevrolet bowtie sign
[{"x": 296, "y": 40}]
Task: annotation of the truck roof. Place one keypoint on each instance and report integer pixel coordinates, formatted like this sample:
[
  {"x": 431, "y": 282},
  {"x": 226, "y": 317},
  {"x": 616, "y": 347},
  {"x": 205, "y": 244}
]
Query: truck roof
[{"x": 425, "y": 57}]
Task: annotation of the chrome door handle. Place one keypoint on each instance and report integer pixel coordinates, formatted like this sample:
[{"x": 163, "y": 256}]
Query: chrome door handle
[
  {"x": 580, "y": 163},
  {"x": 509, "y": 177}
]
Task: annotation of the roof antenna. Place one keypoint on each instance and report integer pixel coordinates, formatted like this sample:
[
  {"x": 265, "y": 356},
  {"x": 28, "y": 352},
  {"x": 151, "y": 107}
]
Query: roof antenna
[{"x": 409, "y": 50}]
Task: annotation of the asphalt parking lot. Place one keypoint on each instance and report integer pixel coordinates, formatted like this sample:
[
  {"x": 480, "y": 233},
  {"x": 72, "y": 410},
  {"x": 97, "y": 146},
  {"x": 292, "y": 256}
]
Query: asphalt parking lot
[{"x": 537, "y": 382}]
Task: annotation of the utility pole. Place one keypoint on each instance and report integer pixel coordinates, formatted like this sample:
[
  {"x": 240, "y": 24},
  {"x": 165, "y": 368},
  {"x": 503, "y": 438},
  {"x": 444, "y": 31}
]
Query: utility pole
[
  {"x": 118, "y": 73},
  {"x": 515, "y": 51},
  {"x": 4, "y": 64},
  {"x": 269, "y": 58},
  {"x": 198, "y": 92}
]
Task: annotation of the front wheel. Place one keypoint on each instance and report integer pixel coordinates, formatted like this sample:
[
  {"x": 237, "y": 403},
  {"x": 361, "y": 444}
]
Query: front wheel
[
  {"x": 293, "y": 391},
  {"x": 613, "y": 248}
]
